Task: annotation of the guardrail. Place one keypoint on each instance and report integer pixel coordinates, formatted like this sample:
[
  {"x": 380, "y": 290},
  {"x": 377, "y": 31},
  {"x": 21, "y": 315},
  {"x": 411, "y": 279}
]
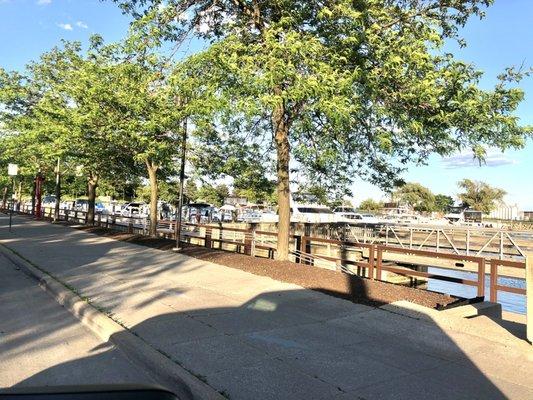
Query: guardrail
[{"x": 353, "y": 257}]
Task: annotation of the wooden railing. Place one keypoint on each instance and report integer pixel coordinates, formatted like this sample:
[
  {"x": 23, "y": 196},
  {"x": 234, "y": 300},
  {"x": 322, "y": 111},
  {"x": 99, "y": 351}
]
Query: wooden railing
[
  {"x": 494, "y": 286},
  {"x": 479, "y": 282},
  {"x": 369, "y": 259}
]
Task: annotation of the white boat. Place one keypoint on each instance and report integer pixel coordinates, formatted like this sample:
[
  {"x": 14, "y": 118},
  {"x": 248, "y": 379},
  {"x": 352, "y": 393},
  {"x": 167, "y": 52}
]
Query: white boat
[
  {"x": 312, "y": 213},
  {"x": 465, "y": 217},
  {"x": 351, "y": 215},
  {"x": 304, "y": 213}
]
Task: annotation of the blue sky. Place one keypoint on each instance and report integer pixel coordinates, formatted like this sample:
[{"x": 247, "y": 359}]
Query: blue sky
[{"x": 503, "y": 38}]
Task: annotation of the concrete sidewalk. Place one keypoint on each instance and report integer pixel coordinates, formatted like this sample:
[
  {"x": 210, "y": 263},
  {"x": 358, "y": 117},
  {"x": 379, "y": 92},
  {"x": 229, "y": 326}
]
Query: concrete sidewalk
[
  {"x": 41, "y": 343},
  {"x": 252, "y": 337}
]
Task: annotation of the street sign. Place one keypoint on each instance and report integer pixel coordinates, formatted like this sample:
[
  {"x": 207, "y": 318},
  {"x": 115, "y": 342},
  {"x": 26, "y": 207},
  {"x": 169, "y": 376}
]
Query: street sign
[{"x": 12, "y": 169}]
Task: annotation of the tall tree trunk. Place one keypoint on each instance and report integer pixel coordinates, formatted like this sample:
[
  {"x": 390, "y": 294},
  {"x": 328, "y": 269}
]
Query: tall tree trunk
[
  {"x": 33, "y": 198},
  {"x": 92, "y": 184},
  {"x": 281, "y": 134},
  {"x": 152, "y": 175}
]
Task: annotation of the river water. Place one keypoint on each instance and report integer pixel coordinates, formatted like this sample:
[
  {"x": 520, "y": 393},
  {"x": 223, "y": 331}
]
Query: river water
[{"x": 509, "y": 301}]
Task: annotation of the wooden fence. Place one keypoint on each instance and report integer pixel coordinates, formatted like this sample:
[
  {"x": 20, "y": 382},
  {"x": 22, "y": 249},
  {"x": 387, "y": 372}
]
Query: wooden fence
[{"x": 363, "y": 259}]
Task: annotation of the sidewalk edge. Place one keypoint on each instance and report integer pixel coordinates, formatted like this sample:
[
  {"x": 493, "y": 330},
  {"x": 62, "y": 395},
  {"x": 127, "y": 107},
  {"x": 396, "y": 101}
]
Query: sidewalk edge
[{"x": 166, "y": 371}]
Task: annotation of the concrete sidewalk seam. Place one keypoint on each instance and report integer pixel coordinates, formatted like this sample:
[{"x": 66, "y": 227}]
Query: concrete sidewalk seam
[{"x": 163, "y": 368}]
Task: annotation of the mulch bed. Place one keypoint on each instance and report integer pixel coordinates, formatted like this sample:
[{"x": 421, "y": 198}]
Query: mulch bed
[{"x": 338, "y": 284}]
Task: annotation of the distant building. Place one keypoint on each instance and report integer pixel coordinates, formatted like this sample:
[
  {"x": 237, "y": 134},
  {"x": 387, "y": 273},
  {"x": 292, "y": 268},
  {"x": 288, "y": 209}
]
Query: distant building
[
  {"x": 527, "y": 215},
  {"x": 393, "y": 208},
  {"x": 507, "y": 212}
]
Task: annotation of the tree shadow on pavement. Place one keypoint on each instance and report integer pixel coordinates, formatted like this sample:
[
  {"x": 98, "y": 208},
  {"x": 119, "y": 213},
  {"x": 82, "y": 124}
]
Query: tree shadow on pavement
[{"x": 301, "y": 344}]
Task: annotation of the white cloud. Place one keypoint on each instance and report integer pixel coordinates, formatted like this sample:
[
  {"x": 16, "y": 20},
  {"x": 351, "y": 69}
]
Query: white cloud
[
  {"x": 464, "y": 160},
  {"x": 82, "y": 24},
  {"x": 66, "y": 27},
  {"x": 43, "y": 2}
]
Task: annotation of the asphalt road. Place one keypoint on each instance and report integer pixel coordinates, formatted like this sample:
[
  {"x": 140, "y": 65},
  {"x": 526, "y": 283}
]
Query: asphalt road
[{"x": 42, "y": 344}]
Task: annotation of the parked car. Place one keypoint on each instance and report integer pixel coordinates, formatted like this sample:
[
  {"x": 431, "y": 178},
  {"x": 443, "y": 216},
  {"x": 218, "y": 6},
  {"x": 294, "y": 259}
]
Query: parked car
[
  {"x": 134, "y": 209},
  {"x": 99, "y": 208},
  {"x": 48, "y": 201},
  {"x": 81, "y": 205}
]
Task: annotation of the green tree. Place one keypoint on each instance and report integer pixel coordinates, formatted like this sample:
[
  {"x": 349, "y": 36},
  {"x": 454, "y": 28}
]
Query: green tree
[
  {"x": 190, "y": 191},
  {"x": 27, "y": 136},
  {"x": 345, "y": 88},
  {"x": 443, "y": 202},
  {"x": 479, "y": 195},
  {"x": 416, "y": 196},
  {"x": 213, "y": 194},
  {"x": 370, "y": 205},
  {"x": 320, "y": 194},
  {"x": 56, "y": 112}
]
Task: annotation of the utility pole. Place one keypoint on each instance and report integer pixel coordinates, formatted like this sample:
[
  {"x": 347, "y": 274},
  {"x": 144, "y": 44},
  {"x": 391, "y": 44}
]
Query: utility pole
[
  {"x": 12, "y": 203},
  {"x": 58, "y": 192},
  {"x": 182, "y": 180}
]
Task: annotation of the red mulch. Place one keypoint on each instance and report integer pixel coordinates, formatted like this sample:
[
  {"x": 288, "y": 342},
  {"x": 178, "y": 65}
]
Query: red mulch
[{"x": 350, "y": 287}]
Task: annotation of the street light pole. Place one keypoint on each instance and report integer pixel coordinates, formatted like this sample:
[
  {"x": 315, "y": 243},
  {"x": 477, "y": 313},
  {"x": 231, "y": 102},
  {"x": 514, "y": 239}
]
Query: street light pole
[
  {"x": 182, "y": 180},
  {"x": 12, "y": 171},
  {"x": 12, "y": 203}
]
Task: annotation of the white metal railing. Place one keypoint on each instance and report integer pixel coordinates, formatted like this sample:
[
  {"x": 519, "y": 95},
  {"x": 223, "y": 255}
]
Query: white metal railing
[{"x": 489, "y": 242}]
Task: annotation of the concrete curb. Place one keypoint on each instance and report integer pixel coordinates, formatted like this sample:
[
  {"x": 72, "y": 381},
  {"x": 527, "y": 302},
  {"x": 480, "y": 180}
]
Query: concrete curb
[{"x": 165, "y": 371}]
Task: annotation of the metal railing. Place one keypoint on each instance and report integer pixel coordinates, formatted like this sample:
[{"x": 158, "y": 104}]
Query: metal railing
[{"x": 476, "y": 241}]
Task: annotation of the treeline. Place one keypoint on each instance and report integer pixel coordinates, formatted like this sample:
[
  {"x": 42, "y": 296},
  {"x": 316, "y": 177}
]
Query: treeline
[
  {"x": 321, "y": 92},
  {"x": 476, "y": 195}
]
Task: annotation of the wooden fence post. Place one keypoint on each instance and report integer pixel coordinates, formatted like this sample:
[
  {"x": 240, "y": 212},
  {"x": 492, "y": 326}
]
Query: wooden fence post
[
  {"x": 298, "y": 248},
  {"x": 130, "y": 226},
  {"x": 207, "y": 238},
  {"x": 493, "y": 281},
  {"x": 371, "y": 255},
  {"x": 303, "y": 249},
  {"x": 249, "y": 240},
  {"x": 379, "y": 261},
  {"x": 66, "y": 215},
  {"x": 481, "y": 278},
  {"x": 99, "y": 219}
]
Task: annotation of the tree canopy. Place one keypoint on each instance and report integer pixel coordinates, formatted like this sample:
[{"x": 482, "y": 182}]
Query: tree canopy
[
  {"x": 327, "y": 92},
  {"x": 479, "y": 195},
  {"x": 370, "y": 205},
  {"x": 343, "y": 89},
  {"x": 416, "y": 196},
  {"x": 443, "y": 202}
]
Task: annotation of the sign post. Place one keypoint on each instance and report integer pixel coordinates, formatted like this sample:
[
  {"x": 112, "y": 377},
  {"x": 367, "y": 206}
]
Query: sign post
[
  {"x": 12, "y": 171},
  {"x": 529, "y": 297},
  {"x": 179, "y": 210}
]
